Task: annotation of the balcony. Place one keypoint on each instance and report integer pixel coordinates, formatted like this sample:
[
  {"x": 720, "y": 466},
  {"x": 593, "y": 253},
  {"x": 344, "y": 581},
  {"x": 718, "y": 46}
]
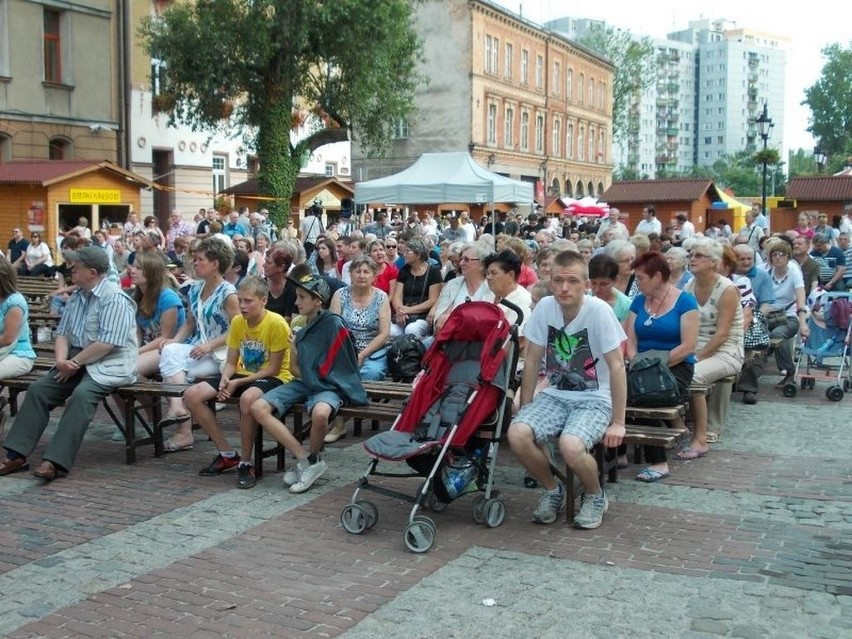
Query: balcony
[{"x": 672, "y": 131}]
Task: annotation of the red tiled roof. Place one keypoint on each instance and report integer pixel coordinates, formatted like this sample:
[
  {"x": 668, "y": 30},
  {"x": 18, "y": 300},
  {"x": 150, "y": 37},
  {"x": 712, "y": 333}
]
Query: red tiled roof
[
  {"x": 47, "y": 172},
  {"x": 651, "y": 191},
  {"x": 304, "y": 183},
  {"x": 829, "y": 188}
]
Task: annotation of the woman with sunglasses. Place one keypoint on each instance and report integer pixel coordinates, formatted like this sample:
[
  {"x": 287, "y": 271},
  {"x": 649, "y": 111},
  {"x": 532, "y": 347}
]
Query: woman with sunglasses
[
  {"x": 469, "y": 286},
  {"x": 386, "y": 273},
  {"x": 38, "y": 261},
  {"x": 719, "y": 349}
]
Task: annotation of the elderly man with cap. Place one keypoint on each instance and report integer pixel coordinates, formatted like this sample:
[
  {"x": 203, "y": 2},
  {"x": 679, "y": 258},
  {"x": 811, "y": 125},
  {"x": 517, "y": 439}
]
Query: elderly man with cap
[{"x": 95, "y": 351}]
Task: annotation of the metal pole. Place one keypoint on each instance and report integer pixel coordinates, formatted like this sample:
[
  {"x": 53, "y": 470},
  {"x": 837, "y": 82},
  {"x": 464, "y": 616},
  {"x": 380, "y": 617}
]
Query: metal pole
[{"x": 763, "y": 190}]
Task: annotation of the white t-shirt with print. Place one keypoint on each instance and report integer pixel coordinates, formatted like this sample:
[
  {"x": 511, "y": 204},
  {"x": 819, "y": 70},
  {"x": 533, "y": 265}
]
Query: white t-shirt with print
[{"x": 574, "y": 354}]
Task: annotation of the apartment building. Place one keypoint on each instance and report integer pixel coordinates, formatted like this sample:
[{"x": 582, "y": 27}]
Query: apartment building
[
  {"x": 525, "y": 101},
  {"x": 58, "y": 73},
  {"x": 710, "y": 83}
]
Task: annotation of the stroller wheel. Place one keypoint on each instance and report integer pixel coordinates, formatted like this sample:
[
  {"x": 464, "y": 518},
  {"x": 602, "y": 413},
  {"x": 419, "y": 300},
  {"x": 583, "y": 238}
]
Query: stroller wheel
[
  {"x": 354, "y": 519},
  {"x": 789, "y": 390},
  {"x": 834, "y": 393},
  {"x": 479, "y": 509},
  {"x": 370, "y": 511},
  {"x": 495, "y": 512},
  {"x": 847, "y": 385},
  {"x": 804, "y": 383},
  {"x": 419, "y": 535},
  {"x": 811, "y": 383}
]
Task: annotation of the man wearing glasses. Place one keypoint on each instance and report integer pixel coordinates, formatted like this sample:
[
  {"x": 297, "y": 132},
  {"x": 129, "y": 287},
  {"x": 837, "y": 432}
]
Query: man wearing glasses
[{"x": 17, "y": 247}]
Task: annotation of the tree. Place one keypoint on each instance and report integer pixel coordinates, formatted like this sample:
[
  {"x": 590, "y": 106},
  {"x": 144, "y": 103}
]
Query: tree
[
  {"x": 829, "y": 99},
  {"x": 633, "y": 60},
  {"x": 262, "y": 68}
]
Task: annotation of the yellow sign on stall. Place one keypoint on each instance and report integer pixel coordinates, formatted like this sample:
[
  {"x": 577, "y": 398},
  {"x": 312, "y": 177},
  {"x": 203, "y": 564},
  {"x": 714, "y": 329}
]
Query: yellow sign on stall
[{"x": 95, "y": 196}]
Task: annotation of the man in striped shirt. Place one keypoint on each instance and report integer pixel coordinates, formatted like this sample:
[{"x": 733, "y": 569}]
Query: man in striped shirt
[{"x": 96, "y": 352}]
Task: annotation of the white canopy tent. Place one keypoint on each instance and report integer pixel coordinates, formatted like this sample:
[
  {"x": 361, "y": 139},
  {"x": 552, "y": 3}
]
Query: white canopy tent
[{"x": 443, "y": 177}]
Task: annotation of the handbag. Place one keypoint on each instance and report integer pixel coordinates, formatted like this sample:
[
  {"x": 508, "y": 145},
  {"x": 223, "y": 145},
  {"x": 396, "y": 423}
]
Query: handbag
[
  {"x": 650, "y": 384},
  {"x": 778, "y": 317},
  {"x": 405, "y": 357},
  {"x": 757, "y": 336}
]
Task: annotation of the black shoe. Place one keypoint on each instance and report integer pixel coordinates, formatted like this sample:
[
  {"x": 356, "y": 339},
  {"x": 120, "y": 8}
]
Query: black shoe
[
  {"x": 749, "y": 398},
  {"x": 220, "y": 465},
  {"x": 530, "y": 481},
  {"x": 245, "y": 476}
]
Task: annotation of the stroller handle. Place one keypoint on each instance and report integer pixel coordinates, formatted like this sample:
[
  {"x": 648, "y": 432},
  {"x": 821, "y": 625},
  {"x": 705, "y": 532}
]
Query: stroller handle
[{"x": 518, "y": 312}]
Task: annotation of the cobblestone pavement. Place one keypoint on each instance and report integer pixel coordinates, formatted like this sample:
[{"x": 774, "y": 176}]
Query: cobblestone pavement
[{"x": 752, "y": 541}]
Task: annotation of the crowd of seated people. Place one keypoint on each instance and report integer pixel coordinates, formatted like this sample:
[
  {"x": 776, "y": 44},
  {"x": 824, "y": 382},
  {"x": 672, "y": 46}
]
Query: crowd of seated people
[{"x": 223, "y": 305}]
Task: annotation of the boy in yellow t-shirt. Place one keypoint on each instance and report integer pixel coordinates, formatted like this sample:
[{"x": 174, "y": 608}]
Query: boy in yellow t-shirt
[{"x": 258, "y": 361}]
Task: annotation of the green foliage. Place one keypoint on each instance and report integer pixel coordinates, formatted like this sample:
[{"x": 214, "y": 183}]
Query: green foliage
[
  {"x": 829, "y": 99},
  {"x": 633, "y": 59},
  {"x": 743, "y": 174},
  {"x": 244, "y": 67},
  {"x": 769, "y": 156}
]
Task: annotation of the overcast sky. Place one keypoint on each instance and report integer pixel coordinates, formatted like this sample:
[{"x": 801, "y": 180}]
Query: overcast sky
[{"x": 808, "y": 30}]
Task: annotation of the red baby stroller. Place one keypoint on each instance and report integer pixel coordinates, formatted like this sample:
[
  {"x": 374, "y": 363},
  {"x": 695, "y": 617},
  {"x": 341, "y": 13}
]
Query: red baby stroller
[{"x": 448, "y": 431}]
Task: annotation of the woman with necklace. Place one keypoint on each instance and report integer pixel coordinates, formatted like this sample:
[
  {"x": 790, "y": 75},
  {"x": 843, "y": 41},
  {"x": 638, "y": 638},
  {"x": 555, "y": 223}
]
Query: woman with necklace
[
  {"x": 664, "y": 321},
  {"x": 198, "y": 348},
  {"x": 366, "y": 311},
  {"x": 789, "y": 287},
  {"x": 624, "y": 253},
  {"x": 719, "y": 349}
]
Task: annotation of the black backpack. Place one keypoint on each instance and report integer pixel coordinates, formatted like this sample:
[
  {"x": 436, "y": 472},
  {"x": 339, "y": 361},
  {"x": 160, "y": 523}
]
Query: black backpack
[
  {"x": 650, "y": 384},
  {"x": 405, "y": 357}
]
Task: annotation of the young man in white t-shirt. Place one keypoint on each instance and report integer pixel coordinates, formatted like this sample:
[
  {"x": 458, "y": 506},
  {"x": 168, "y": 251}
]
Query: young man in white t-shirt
[{"x": 579, "y": 340}]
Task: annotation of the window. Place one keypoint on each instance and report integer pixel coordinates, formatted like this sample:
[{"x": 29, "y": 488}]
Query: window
[
  {"x": 539, "y": 133},
  {"x": 569, "y": 84},
  {"x": 569, "y": 142},
  {"x": 330, "y": 169},
  {"x": 492, "y": 45},
  {"x": 539, "y": 72},
  {"x": 592, "y": 140},
  {"x": 581, "y": 140},
  {"x": 557, "y": 78},
  {"x": 525, "y": 66},
  {"x": 557, "y": 136},
  {"x": 220, "y": 169},
  {"x": 602, "y": 148},
  {"x": 59, "y": 149},
  {"x": 509, "y": 128},
  {"x": 491, "y": 124},
  {"x": 508, "y": 61},
  {"x": 158, "y": 76},
  {"x": 591, "y": 92},
  {"x": 52, "y": 47},
  {"x": 582, "y": 87},
  {"x": 708, "y": 140},
  {"x": 400, "y": 129},
  {"x": 720, "y": 139},
  {"x": 601, "y": 95},
  {"x": 525, "y": 130}
]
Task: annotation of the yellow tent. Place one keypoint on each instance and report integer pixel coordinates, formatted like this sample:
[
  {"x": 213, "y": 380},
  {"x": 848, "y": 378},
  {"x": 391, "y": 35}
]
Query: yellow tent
[{"x": 739, "y": 208}]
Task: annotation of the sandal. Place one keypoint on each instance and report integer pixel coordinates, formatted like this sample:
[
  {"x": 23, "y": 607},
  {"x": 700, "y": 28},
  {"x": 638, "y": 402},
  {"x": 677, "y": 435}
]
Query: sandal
[
  {"x": 689, "y": 452},
  {"x": 712, "y": 437},
  {"x": 173, "y": 420},
  {"x": 649, "y": 475},
  {"x": 170, "y": 447}
]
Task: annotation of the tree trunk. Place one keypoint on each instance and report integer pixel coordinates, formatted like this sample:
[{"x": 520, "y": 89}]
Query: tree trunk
[{"x": 278, "y": 169}]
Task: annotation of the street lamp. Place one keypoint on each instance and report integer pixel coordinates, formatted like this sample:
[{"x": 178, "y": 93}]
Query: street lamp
[
  {"x": 764, "y": 126},
  {"x": 819, "y": 157}
]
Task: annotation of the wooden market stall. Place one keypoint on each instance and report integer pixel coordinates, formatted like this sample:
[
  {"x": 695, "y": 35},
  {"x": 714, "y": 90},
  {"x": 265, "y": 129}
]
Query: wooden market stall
[{"x": 50, "y": 196}]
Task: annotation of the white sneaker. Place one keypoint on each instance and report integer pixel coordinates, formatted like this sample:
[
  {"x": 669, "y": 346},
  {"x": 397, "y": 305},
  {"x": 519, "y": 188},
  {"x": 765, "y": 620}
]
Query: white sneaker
[
  {"x": 292, "y": 476},
  {"x": 308, "y": 476}
]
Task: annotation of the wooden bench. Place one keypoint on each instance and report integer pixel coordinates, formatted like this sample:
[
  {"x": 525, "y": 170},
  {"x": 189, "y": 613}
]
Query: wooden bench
[
  {"x": 607, "y": 459},
  {"x": 36, "y": 289}
]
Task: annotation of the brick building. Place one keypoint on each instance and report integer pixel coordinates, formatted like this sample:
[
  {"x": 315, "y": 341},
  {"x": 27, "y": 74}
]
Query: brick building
[{"x": 526, "y": 102}]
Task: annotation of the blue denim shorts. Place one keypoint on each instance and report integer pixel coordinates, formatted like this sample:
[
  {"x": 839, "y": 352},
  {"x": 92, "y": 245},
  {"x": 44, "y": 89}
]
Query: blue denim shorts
[{"x": 284, "y": 397}]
